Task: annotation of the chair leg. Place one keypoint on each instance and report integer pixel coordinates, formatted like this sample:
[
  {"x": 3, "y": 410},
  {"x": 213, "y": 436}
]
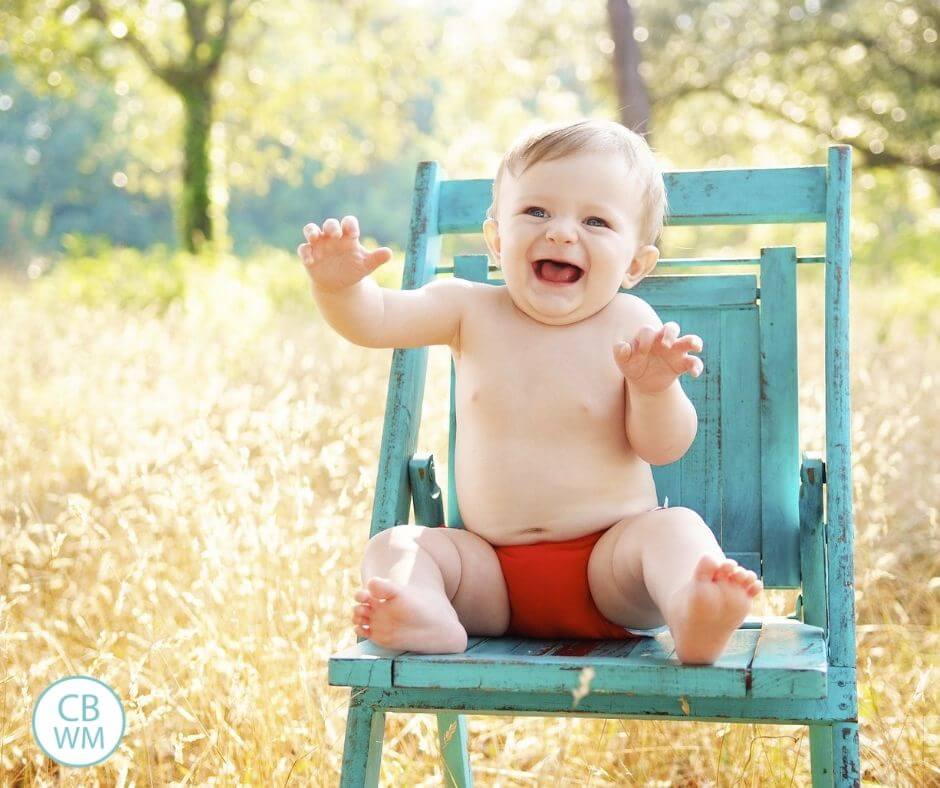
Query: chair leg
[
  {"x": 452, "y": 732},
  {"x": 362, "y": 752},
  {"x": 834, "y": 754}
]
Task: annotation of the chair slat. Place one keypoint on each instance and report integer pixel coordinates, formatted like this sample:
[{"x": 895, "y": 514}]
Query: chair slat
[
  {"x": 789, "y": 661},
  {"x": 362, "y": 665},
  {"x": 746, "y": 196},
  {"x": 779, "y": 421},
  {"x": 695, "y": 197},
  {"x": 520, "y": 664},
  {"x": 840, "y": 529},
  {"x": 405, "y": 396},
  {"x": 739, "y": 444},
  {"x": 701, "y": 472},
  {"x": 697, "y": 292}
]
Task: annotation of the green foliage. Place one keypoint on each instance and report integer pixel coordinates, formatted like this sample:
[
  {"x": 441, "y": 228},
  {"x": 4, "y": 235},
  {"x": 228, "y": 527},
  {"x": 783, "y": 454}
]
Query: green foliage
[
  {"x": 731, "y": 85},
  {"x": 58, "y": 162},
  {"x": 95, "y": 273},
  {"x": 250, "y": 66}
]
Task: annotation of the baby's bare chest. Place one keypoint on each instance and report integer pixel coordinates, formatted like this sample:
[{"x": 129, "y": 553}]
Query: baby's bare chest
[{"x": 522, "y": 377}]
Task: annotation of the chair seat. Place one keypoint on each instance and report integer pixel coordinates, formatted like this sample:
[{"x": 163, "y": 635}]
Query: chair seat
[{"x": 773, "y": 657}]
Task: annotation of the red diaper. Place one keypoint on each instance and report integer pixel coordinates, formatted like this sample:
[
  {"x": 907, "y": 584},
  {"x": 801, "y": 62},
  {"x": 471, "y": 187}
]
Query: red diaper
[{"x": 549, "y": 596}]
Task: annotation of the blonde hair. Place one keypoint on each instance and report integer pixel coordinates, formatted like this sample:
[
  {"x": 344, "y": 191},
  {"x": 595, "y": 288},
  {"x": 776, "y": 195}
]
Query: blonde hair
[{"x": 595, "y": 136}]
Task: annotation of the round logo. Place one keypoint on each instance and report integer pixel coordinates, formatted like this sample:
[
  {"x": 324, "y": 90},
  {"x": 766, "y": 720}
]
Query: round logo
[{"x": 78, "y": 721}]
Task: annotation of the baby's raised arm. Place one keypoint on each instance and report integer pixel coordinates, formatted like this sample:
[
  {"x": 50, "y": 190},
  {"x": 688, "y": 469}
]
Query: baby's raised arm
[{"x": 369, "y": 315}]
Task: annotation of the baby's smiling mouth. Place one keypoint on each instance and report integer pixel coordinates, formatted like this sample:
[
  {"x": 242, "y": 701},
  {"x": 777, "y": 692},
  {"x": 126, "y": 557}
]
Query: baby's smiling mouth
[{"x": 556, "y": 272}]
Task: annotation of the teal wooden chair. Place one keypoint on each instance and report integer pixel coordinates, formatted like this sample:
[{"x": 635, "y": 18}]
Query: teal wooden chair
[{"x": 746, "y": 474}]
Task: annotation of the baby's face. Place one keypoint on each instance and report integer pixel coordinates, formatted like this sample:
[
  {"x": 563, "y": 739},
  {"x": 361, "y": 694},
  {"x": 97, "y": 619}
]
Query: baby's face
[{"x": 582, "y": 212}]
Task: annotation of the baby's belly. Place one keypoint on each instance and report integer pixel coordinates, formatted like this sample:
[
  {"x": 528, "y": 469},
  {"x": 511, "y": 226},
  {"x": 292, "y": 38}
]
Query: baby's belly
[{"x": 544, "y": 490}]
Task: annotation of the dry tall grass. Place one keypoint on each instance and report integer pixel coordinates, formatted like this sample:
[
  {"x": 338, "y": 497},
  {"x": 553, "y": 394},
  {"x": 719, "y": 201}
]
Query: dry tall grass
[{"x": 183, "y": 507}]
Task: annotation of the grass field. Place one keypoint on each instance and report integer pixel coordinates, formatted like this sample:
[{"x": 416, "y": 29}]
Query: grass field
[{"x": 184, "y": 498}]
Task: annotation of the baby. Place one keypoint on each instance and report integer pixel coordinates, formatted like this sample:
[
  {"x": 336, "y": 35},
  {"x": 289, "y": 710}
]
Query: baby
[{"x": 567, "y": 391}]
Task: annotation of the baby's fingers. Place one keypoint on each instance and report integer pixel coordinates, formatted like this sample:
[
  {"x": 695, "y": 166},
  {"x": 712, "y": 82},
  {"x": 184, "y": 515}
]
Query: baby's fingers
[
  {"x": 690, "y": 342},
  {"x": 644, "y": 339},
  {"x": 311, "y": 232},
  {"x": 623, "y": 351},
  {"x": 331, "y": 228},
  {"x": 667, "y": 334},
  {"x": 350, "y": 226}
]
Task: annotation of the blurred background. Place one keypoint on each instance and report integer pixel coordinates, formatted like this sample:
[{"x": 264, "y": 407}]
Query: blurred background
[
  {"x": 188, "y": 453},
  {"x": 136, "y": 124}
]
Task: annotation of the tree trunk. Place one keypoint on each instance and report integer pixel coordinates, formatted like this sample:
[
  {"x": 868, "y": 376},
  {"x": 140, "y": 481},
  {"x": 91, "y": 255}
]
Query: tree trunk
[
  {"x": 632, "y": 99},
  {"x": 195, "y": 225}
]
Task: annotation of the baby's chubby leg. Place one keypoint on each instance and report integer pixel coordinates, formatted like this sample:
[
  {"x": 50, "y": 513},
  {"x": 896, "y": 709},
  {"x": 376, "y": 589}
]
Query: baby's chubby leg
[
  {"x": 425, "y": 588},
  {"x": 667, "y": 565}
]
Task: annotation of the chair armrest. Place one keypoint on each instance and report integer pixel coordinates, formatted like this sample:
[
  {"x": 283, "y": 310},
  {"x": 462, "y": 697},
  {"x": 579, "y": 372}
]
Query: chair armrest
[
  {"x": 425, "y": 493},
  {"x": 813, "y": 541}
]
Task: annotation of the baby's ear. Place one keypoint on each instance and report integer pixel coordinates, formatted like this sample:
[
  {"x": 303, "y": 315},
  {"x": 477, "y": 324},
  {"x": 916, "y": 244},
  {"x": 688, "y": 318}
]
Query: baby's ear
[
  {"x": 640, "y": 266},
  {"x": 491, "y": 236}
]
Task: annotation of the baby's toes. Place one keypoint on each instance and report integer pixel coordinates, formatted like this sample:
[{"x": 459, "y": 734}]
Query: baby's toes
[
  {"x": 725, "y": 568},
  {"x": 705, "y": 568},
  {"x": 363, "y": 632},
  {"x": 362, "y": 614},
  {"x": 363, "y": 595}
]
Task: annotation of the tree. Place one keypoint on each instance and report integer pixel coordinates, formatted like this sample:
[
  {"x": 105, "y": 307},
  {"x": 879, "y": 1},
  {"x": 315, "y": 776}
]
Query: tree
[
  {"x": 633, "y": 101},
  {"x": 861, "y": 72},
  {"x": 211, "y": 57}
]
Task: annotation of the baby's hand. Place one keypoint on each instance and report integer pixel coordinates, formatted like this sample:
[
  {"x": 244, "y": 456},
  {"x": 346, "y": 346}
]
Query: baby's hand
[
  {"x": 334, "y": 258},
  {"x": 656, "y": 358}
]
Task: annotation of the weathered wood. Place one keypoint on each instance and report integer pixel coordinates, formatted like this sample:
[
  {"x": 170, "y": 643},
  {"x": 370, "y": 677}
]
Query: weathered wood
[
  {"x": 362, "y": 751},
  {"x": 834, "y": 755},
  {"x": 739, "y": 437},
  {"x": 696, "y": 197},
  {"x": 779, "y": 421},
  {"x": 813, "y": 542},
  {"x": 840, "y": 536},
  {"x": 839, "y": 704},
  {"x": 362, "y": 665},
  {"x": 408, "y": 371},
  {"x": 700, "y": 483},
  {"x": 647, "y": 666},
  {"x": 789, "y": 661},
  {"x": 452, "y": 735},
  {"x": 425, "y": 493},
  {"x": 781, "y": 658}
]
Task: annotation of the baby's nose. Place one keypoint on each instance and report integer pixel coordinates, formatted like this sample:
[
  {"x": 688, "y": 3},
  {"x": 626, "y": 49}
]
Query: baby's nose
[{"x": 562, "y": 232}]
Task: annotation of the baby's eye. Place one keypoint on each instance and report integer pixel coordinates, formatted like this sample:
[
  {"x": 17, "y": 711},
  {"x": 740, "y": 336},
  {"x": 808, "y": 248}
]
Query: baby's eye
[
  {"x": 602, "y": 221},
  {"x": 533, "y": 208}
]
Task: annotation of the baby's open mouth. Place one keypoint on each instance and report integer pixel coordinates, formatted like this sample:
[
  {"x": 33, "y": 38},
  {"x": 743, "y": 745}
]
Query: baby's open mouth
[{"x": 556, "y": 272}]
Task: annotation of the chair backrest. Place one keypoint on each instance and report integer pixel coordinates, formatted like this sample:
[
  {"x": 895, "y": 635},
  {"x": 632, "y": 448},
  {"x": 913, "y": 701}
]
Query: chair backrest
[{"x": 742, "y": 471}]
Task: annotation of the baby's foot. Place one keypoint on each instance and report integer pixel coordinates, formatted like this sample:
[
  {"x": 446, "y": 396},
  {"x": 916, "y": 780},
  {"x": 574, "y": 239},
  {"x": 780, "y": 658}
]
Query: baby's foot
[
  {"x": 411, "y": 618},
  {"x": 704, "y": 612}
]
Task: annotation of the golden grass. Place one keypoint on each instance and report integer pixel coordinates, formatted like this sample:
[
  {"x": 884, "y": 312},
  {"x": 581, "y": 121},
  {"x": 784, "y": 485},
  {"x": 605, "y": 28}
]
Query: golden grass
[{"x": 184, "y": 500}]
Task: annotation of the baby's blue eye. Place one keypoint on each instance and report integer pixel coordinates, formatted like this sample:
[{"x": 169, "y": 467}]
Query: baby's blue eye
[{"x": 533, "y": 208}]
